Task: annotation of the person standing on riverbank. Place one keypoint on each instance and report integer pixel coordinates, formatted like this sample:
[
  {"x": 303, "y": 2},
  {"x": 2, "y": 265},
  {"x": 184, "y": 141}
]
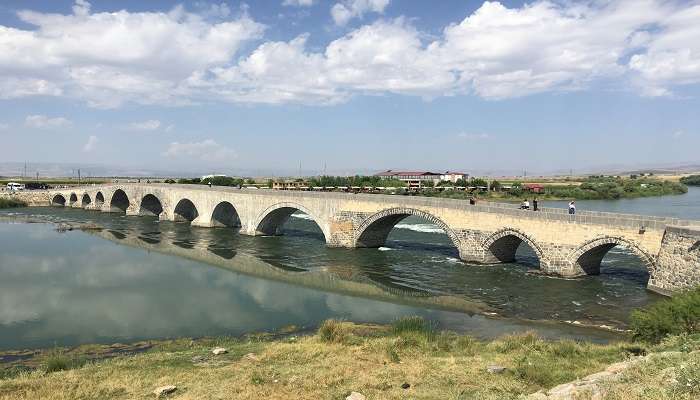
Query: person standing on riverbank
[{"x": 572, "y": 207}]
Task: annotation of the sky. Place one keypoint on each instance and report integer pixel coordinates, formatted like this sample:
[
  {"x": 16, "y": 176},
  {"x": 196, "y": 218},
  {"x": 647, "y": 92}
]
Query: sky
[{"x": 350, "y": 86}]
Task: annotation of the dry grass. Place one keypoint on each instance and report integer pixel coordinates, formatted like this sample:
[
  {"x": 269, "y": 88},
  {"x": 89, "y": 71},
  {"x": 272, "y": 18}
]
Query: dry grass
[{"x": 371, "y": 360}]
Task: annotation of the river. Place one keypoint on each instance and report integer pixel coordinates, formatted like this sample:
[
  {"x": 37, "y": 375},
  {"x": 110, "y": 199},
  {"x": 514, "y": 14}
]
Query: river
[{"x": 139, "y": 278}]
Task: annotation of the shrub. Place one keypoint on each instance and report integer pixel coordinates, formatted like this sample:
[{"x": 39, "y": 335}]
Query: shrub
[
  {"x": 391, "y": 352},
  {"x": 57, "y": 360},
  {"x": 677, "y": 315},
  {"x": 332, "y": 331},
  {"x": 11, "y": 203}
]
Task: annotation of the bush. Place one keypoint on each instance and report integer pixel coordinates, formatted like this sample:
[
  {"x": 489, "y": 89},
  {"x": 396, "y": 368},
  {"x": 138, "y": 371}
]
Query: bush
[
  {"x": 11, "y": 203},
  {"x": 332, "y": 331},
  {"x": 677, "y": 315},
  {"x": 57, "y": 360}
]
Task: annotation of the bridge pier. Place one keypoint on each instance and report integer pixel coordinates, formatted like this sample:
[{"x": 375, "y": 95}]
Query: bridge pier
[{"x": 678, "y": 262}]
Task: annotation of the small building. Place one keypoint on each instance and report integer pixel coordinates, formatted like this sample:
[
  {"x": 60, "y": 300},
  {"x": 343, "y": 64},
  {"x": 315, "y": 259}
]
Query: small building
[
  {"x": 453, "y": 177},
  {"x": 290, "y": 185},
  {"x": 533, "y": 188},
  {"x": 413, "y": 179}
]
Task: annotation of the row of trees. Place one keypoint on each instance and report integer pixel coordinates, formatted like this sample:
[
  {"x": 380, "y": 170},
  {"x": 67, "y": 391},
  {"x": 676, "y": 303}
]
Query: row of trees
[{"x": 356, "y": 180}]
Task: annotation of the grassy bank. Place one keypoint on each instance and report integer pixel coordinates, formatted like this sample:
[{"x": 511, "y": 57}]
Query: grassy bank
[
  {"x": 407, "y": 359},
  {"x": 6, "y": 202}
]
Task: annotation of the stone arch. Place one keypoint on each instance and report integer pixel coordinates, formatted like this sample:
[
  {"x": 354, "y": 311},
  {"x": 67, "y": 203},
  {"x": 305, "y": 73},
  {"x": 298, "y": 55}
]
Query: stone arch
[
  {"x": 119, "y": 201},
  {"x": 99, "y": 200},
  {"x": 225, "y": 214},
  {"x": 72, "y": 199},
  {"x": 85, "y": 200},
  {"x": 589, "y": 255},
  {"x": 185, "y": 211},
  {"x": 58, "y": 200},
  {"x": 374, "y": 230},
  {"x": 270, "y": 221},
  {"x": 150, "y": 205},
  {"x": 502, "y": 245}
]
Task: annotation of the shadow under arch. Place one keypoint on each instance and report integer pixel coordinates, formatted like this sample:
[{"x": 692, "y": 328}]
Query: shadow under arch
[
  {"x": 502, "y": 245},
  {"x": 185, "y": 211},
  {"x": 150, "y": 206},
  {"x": 58, "y": 200},
  {"x": 271, "y": 221},
  {"x": 590, "y": 254},
  {"x": 225, "y": 214},
  {"x": 85, "y": 200},
  {"x": 99, "y": 200},
  {"x": 119, "y": 201},
  {"x": 73, "y": 199},
  {"x": 374, "y": 230}
]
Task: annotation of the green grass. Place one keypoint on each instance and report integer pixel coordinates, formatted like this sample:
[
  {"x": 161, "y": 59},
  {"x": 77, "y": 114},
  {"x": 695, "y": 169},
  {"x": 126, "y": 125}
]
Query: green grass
[
  {"x": 343, "y": 357},
  {"x": 412, "y": 324}
]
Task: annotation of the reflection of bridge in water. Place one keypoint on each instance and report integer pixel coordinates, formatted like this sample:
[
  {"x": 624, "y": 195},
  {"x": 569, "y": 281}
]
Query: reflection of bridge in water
[
  {"x": 566, "y": 245},
  {"x": 340, "y": 279}
]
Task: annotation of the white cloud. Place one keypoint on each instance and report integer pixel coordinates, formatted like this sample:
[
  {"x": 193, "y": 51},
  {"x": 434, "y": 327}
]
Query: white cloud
[
  {"x": 206, "y": 150},
  {"x": 150, "y": 125},
  {"x": 349, "y": 9},
  {"x": 180, "y": 57},
  {"x": 670, "y": 56},
  {"x": 298, "y": 3},
  {"x": 42, "y": 121},
  {"x": 677, "y": 134},
  {"x": 4, "y": 126},
  {"x": 473, "y": 136},
  {"x": 170, "y": 128},
  {"x": 109, "y": 58},
  {"x": 90, "y": 144}
]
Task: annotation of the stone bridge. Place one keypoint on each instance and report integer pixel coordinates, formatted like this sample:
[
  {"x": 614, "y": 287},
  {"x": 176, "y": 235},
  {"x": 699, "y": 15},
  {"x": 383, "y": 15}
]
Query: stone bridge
[{"x": 566, "y": 245}]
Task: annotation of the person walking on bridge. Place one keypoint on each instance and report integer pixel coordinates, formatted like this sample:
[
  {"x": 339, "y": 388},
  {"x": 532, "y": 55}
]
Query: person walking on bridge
[{"x": 572, "y": 207}]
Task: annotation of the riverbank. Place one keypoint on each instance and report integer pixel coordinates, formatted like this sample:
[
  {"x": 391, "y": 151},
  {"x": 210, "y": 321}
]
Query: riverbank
[{"x": 388, "y": 362}]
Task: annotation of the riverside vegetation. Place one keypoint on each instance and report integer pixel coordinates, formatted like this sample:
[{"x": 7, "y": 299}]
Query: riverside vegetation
[
  {"x": 590, "y": 188},
  {"x": 409, "y": 358},
  {"x": 9, "y": 202},
  {"x": 691, "y": 180}
]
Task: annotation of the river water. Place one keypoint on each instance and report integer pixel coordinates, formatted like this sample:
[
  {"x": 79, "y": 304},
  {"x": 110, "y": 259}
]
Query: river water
[{"x": 139, "y": 278}]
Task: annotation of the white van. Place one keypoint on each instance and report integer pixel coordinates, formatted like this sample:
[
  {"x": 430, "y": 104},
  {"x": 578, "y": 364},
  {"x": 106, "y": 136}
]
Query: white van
[{"x": 14, "y": 186}]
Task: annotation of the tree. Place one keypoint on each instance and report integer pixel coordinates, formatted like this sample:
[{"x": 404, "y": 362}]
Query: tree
[{"x": 478, "y": 182}]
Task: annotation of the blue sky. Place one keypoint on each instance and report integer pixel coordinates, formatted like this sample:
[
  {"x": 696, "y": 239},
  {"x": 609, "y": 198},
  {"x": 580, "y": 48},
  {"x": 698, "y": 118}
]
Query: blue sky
[{"x": 355, "y": 85}]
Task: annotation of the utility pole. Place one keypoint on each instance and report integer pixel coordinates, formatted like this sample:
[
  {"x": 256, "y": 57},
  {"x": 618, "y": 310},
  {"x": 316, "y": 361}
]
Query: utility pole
[{"x": 78, "y": 176}]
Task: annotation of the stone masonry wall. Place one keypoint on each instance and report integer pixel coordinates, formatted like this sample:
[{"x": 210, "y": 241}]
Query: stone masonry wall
[{"x": 678, "y": 262}]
